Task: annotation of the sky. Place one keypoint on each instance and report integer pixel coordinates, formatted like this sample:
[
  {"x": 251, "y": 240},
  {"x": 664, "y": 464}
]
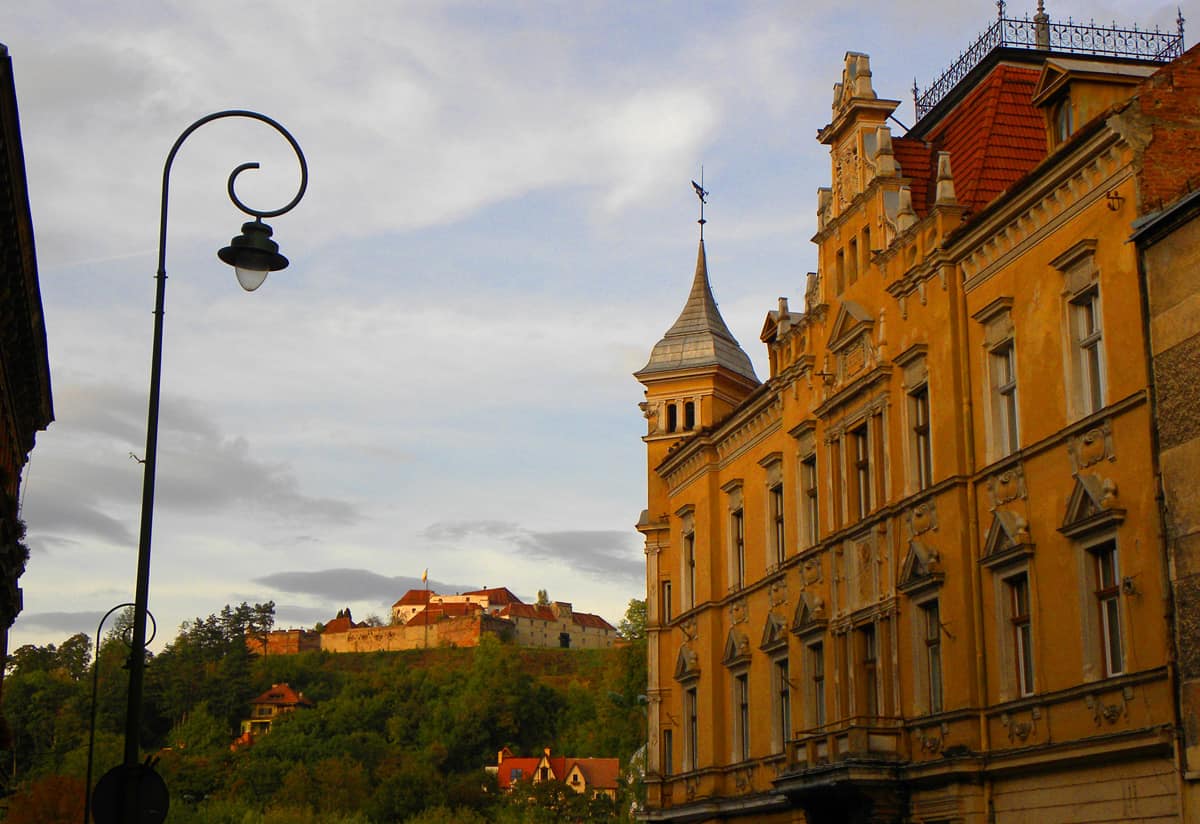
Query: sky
[{"x": 498, "y": 227}]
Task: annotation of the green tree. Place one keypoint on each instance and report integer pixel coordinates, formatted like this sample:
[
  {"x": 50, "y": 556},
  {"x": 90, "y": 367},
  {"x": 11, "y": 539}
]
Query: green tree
[{"x": 633, "y": 625}]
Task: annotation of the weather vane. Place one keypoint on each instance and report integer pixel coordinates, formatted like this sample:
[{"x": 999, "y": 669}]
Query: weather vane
[{"x": 703, "y": 195}]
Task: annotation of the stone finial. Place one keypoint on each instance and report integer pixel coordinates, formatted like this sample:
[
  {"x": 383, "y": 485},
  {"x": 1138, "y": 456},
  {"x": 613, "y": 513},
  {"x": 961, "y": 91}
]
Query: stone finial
[
  {"x": 906, "y": 215},
  {"x": 837, "y": 97},
  {"x": 885, "y": 158},
  {"x": 824, "y": 204},
  {"x": 945, "y": 182},
  {"x": 785, "y": 317},
  {"x": 1041, "y": 22},
  {"x": 862, "y": 77}
]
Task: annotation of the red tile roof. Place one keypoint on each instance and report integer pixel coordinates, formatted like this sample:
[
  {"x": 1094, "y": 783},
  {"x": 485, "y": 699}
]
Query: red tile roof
[
  {"x": 438, "y": 612},
  {"x": 525, "y": 767},
  {"x": 917, "y": 164},
  {"x": 520, "y": 610},
  {"x": 587, "y": 619},
  {"x": 600, "y": 773},
  {"x": 497, "y": 596},
  {"x": 413, "y": 597},
  {"x": 994, "y": 135},
  {"x": 282, "y": 695},
  {"x": 342, "y": 623}
]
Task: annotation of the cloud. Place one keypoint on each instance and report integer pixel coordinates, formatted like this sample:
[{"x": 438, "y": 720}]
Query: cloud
[
  {"x": 599, "y": 552},
  {"x": 66, "y": 622},
  {"x": 344, "y": 585},
  {"x": 85, "y": 480}
]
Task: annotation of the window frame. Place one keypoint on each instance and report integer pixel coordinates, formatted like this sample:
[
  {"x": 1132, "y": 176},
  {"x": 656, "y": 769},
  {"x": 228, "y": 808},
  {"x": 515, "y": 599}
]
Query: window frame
[
  {"x": 1106, "y": 589},
  {"x": 814, "y": 657},
  {"x": 921, "y": 433},
  {"x": 1019, "y": 614},
  {"x": 1002, "y": 360},
  {"x": 741, "y": 716},
  {"x": 931, "y": 623},
  {"x": 782, "y": 709},
  {"x": 691, "y": 738}
]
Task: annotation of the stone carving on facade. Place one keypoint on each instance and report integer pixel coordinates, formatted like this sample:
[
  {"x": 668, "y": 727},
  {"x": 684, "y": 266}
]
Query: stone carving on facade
[
  {"x": 1091, "y": 447},
  {"x": 743, "y": 778},
  {"x": 1007, "y": 486},
  {"x": 810, "y": 572},
  {"x": 690, "y": 628},
  {"x": 777, "y": 593},
  {"x": 931, "y": 739},
  {"x": 1020, "y": 731},
  {"x": 1102, "y": 712},
  {"x": 737, "y": 649},
  {"x": 739, "y": 610},
  {"x": 774, "y": 632},
  {"x": 921, "y": 518},
  {"x": 1092, "y": 505}
]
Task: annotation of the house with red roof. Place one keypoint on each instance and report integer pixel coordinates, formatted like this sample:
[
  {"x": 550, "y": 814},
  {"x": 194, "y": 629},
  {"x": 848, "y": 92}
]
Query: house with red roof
[
  {"x": 591, "y": 776},
  {"x": 279, "y": 700}
]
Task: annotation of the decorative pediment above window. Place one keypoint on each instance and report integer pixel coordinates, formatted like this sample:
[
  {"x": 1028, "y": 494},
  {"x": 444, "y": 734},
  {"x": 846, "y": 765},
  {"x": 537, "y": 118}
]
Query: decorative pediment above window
[
  {"x": 774, "y": 633},
  {"x": 922, "y": 569},
  {"x": 852, "y": 321},
  {"x": 1007, "y": 539},
  {"x": 737, "y": 649},
  {"x": 1092, "y": 506},
  {"x": 810, "y": 615},
  {"x": 687, "y": 664}
]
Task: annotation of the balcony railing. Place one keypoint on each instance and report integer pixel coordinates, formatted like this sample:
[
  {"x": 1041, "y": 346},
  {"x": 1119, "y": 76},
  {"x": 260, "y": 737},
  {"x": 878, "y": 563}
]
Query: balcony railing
[
  {"x": 873, "y": 738},
  {"x": 1041, "y": 34}
]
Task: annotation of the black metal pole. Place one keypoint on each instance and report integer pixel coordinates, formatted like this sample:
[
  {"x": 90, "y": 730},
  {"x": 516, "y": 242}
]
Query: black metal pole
[{"x": 137, "y": 652}]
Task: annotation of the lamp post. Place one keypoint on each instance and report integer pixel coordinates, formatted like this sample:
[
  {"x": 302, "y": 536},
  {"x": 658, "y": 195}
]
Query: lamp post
[{"x": 253, "y": 255}]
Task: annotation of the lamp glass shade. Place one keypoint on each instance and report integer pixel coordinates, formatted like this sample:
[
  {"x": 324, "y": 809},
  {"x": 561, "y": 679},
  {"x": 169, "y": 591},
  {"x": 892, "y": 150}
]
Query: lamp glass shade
[
  {"x": 253, "y": 255},
  {"x": 250, "y": 279}
]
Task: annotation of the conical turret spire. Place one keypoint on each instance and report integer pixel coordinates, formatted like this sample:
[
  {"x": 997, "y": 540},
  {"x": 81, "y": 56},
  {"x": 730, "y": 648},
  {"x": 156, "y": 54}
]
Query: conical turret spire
[{"x": 699, "y": 336}]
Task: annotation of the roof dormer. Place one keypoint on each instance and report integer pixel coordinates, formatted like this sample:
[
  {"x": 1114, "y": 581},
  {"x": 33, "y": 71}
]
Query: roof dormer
[{"x": 1071, "y": 91}]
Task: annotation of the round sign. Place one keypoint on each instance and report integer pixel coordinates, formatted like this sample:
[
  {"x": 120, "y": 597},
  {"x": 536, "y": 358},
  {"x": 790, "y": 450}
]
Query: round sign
[{"x": 108, "y": 799}]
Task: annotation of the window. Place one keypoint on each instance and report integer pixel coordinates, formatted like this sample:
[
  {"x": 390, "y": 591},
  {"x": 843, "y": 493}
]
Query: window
[
  {"x": 840, "y": 271},
  {"x": 1086, "y": 336},
  {"x": 778, "y": 536},
  {"x": 672, "y": 417},
  {"x": 691, "y": 759},
  {"x": 1064, "y": 121},
  {"x": 1108, "y": 595},
  {"x": 689, "y": 415},
  {"x": 835, "y": 464},
  {"x": 737, "y": 530},
  {"x": 666, "y": 602},
  {"x": 1082, "y": 327},
  {"x": 810, "y": 501},
  {"x": 783, "y": 705},
  {"x": 852, "y": 261},
  {"x": 667, "y": 752},
  {"x": 932, "y": 625},
  {"x": 1022, "y": 632},
  {"x": 860, "y": 446},
  {"x": 741, "y": 717},
  {"x": 918, "y": 406},
  {"x": 689, "y": 569},
  {"x": 870, "y": 671},
  {"x": 1004, "y": 400},
  {"x": 816, "y": 668}
]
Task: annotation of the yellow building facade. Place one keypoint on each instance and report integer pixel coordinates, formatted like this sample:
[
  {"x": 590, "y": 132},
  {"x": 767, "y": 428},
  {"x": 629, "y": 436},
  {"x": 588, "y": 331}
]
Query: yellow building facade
[{"x": 918, "y": 574}]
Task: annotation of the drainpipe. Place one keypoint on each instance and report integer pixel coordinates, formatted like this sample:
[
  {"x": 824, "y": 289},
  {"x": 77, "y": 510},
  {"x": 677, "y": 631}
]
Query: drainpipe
[{"x": 981, "y": 675}]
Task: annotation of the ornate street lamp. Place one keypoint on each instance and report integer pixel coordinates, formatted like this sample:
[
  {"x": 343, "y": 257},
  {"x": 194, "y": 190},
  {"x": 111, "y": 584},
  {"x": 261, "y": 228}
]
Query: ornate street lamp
[{"x": 133, "y": 793}]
